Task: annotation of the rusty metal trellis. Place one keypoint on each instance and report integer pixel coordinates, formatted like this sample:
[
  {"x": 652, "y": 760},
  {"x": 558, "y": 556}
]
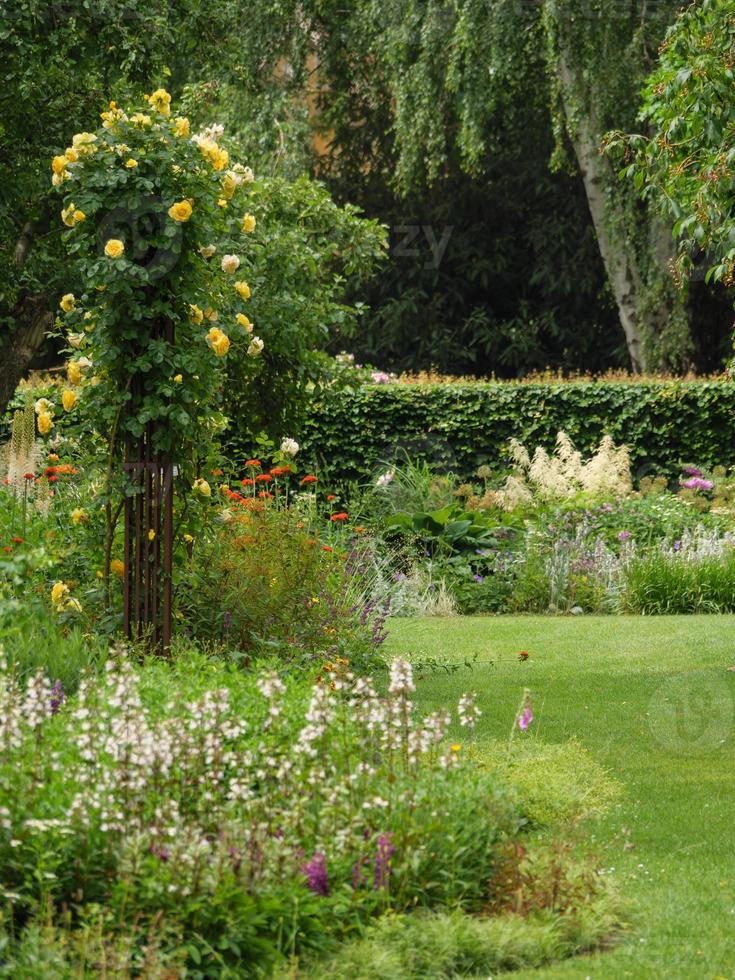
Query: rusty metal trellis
[{"x": 149, "y": 515}]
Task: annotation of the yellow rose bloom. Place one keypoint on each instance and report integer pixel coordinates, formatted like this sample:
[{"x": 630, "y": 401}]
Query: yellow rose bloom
[
  {"x": 196, "y": 315},
  {"x": 201, "y": 486},
  {"x": 207, "y": 251},
  {"x": 58, "y": 165},
  {"x": 73, "y": 372},
  {"x": 160, "y": 100},
  {"x": 181, "y": 127},
  {"x": 219, "y": 158},
  {"x": 188, "y": 538},
  {"x": 71, "y": 154},
  {"x": 114, "y": 248},
  {"x": 210, "y": 313},
  {"x": 80, "y": 139},
  {"x": 117, "y": 567},
  {"x": 180, "y": 211},
  {"x": 243, "y": 290},
  {"x": 59, "y": 592},
  {"x": 244, "y": 322},
  {"x": 221, "y": 345},
  {"x": 131, "y": 163},
  {"x": 68, "y": 303},
  {"x": 67, "y": 216},
  {"x": 69, "y": 399},
  {"x": 178, "y": 378},
  {"x": 78, "y": 515},
  {"x": 151, "y": 535},
  {"x": 79, "y": 216},
  {"x": 141, "y": 119},
  {"x": 248, "y": 223},
  {"x": 228, "y": 186},
  {"x": 45, "y": 423}
]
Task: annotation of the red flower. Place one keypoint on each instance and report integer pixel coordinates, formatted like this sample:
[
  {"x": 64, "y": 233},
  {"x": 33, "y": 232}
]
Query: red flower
[
  {"x": 49, "y": 471},
  {"x": 264, "y": 478},
  {"x": 28, "y": 476},
  {"x": 359, "y": 530},
  {"x": 342, "y": 516},
  {"x": 247, "y": 482},
  {"x": 264, "y": 495},
  {"x": 17, "y": 540},
  {"x": 53, "y": 479},
  {"x": 331, "y": 496},
  {"x": 523, "y": 655},
  {"x": 308, "y": 479},
  {"x": 280, "y": 470},
  {"x": 6, "y": 547},
  {"x": 255, "y": 463},
  {"x": 218, "y": 472},
  {"x": 325, "y": 547}
]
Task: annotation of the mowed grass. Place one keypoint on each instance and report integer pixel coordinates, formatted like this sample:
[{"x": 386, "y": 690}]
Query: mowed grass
[{"x": 654, "y": 701}]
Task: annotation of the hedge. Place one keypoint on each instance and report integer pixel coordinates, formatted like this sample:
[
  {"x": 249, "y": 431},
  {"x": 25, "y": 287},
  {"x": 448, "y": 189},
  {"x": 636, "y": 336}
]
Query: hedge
[{"x": 459, "y": 426}]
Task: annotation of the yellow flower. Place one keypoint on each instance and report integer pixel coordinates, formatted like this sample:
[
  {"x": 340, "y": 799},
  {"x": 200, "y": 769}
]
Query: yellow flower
[
  {"x": 229, "y": 185},
  {"x": 181, "y": 126},
  {"x": 207, "y": 251},
  {"x": 68, "y": 399},
  {"x": 195, "y": 314},
  {"x": 180, "y": 211},
  {"x": 58, "y": 165},
  {"x": 79, "y": 216},
  {"x": 131, "y": 163},
  {"x": 78, "y": 516},
  {"x": 45, "y": 423},
  {"x": 117, "y": 567},
  {"x": 114, "y": 248},
  {"x": 230, "y": 263},
  {"x": 248, "y": 223},
  {"x": 222, "y": 203},
  {"x": 201, "y": 486},
  {"x": 43, "y": 405},
  {"x": 68, "y": 303},
  {"x": 188, "y": 538},
  {"x": 73, "y": 372},
  {"x": 71, "y": 154},
  {"x": 210, "y": 313},
  {"x": 82, "y": 142},
  {"x": 243, "y": 290},
  {"x": 59, "y": 592},
  {"x": 219, "y": 158},
  {"x": 140, "y": 119},
  {"x": 456, "y": 747},
  {"x": 67, "y": 216},
  {"x": 151, "y": 535},
  {"x": 219, "y": 341},
  {"x": 178, "y": 378},
  {"x": 160, "y": 100},
  {"x": 73, "y": 604},
  {"x": 244, "y": 322}
]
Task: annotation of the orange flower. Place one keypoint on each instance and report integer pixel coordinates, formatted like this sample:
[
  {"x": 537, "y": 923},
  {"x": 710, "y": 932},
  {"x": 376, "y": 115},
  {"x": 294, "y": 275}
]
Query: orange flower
[
  {"x": 308, "y": 479},
  {"x": 359, "y": 529},
  {"x": 265, "y": 495},
  {"x": 280, "y": 470},
  {"x": 264, "y": 478},
  {"x": 255, "y": 463},
  {"x": 523, "y": 655},
  {"x": 218, "y": 472},
  {"x": 325, "y": 547},
  {"x": 342, "y": 516},
  {"x": 247, "y": 482},
  {"x": 331, "y": 496}
]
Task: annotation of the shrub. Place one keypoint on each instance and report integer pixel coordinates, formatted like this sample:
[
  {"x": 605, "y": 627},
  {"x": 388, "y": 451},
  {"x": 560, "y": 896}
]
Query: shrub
[{"x": 460, "y": 426}]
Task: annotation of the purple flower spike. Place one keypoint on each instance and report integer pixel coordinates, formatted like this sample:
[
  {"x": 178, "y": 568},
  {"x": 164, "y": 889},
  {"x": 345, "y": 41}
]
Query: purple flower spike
[
  {"x": 315, "y": 872},
  {"x": 385, "y": 851},
  {"x": 57, "y": 697},
  {"x": 526, "y": 716}
]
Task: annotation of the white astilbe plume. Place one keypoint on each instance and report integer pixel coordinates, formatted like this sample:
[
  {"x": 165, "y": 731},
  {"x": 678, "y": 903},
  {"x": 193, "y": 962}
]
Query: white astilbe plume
[
  {"x": 608, "y": 472},
  {"x": 519, "y": 454}
]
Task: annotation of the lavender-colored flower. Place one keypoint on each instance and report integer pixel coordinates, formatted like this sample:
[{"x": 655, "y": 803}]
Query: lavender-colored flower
[
  {"x": 677, "y": 545},
  {"x": 384, "y": 852},
  {"x": 315, "y": 872},
  {"x": 525, "y": 716},
  {"x": 380, "y": 378},
  {"x": 692, "y": 471},
  {"x": 624, "y": 535},
  {"x": 57, "y": 697},
  {"x": 478, "y": 578},
  {"x": 697, "y": 483}
]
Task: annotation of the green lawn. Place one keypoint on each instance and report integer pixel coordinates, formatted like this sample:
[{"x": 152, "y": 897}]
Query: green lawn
[{"x": 653, "y": 699}]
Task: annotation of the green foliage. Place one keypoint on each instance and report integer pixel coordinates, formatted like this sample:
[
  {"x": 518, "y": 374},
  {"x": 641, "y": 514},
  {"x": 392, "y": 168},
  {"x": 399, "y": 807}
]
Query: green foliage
[
  {"x": 685, "y": 164},
  {"x": 459, "y": 427},
  {"x": 669, "y": 584},
  {"x": 448, "y": 531}
]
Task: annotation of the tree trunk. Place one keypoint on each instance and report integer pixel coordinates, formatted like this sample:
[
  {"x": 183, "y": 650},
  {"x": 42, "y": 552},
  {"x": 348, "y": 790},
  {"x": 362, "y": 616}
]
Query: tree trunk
[
  {"x": 32, "y": 319},
  {"x": 617, "y": 253}
]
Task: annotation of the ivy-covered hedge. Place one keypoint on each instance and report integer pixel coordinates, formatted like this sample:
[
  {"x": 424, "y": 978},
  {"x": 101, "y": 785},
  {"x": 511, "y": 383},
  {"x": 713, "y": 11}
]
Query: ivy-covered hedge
[{"x": 460, "y": 426}]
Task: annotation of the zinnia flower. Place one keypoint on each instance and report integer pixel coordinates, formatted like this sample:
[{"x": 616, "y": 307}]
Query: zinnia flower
[
  {"x": 255, "y": 463},
  {"x": 342, "y": 516},
  {"x": 308, "y": 479}
]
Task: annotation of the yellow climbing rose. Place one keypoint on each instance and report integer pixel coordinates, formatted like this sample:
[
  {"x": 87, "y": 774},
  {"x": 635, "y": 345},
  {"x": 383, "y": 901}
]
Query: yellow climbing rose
[
  {"x": 244, "y": 322},
  {"x": 181, "y": 126},
  {"x": 248, "y": 223},
  {"x": 73, "y": 372},
  {"x": 180, "y": 211},
  {"x": 243, "y": 290},
  {"x": 69, "y": 399},
  {"x": 45, "y": 423},
  {"x": 114, "y": 248},
  {"x": 68, "y": 303}
]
